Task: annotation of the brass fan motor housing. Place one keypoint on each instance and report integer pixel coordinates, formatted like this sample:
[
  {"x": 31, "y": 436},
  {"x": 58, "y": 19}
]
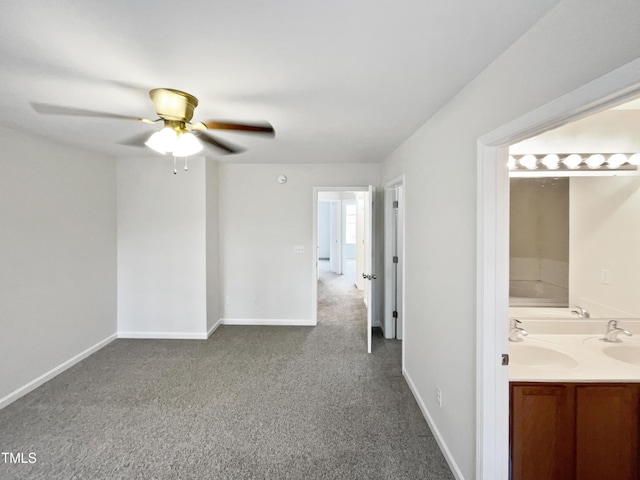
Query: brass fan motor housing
[{"x": 173, "y": 104}]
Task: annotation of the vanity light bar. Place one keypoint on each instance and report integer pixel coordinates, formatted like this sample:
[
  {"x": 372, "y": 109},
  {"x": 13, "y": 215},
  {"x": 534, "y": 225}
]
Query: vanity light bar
[{"x": 564, "y": 164}]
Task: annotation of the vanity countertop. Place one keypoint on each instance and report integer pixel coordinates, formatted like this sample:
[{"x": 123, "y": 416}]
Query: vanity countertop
[{"x": 574, "y": 358}]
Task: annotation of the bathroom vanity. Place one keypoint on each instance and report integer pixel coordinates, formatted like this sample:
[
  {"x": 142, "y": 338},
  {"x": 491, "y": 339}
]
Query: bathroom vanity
[
  {"x": 582, "y": 431},
  {"x": 574, "y": 402}
]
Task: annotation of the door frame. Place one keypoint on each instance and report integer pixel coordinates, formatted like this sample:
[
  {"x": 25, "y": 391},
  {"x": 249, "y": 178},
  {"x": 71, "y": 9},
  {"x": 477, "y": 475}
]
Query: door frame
[
  {"x": 314, "y": 241},
  {"x": 388, "y": 261},
  {"x": 492, "y": 396}
]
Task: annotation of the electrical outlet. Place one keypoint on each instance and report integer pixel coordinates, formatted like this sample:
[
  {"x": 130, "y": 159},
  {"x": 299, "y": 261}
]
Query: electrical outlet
[
  {"x": 227, "y": 300},
  {"x": 439, "y": 396},
  {"x": 605, "y": 277}
]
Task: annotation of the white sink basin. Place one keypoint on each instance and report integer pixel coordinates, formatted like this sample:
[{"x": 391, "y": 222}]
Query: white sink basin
[
  {"x": 624, "y": 353},
  {"x": 534, "y": 356}
]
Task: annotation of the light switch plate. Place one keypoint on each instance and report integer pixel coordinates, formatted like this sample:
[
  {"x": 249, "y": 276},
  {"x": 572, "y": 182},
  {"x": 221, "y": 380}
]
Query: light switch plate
[{"x": 298, "y": 249}]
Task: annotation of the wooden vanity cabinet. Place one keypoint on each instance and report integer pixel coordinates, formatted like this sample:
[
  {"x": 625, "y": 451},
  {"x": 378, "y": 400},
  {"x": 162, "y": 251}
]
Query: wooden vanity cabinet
[{"x": 574, "y": 431}]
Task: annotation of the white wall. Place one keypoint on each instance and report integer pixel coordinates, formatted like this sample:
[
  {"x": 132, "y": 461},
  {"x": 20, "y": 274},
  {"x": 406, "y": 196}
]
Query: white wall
[
  {"x": 323, "y": 229},
  {"x": 575, "y": 43},
  {"x": 213, "y": 244},
  {"x": 162, "y": 240},
  {"x": 605, "y": 233},
  {"x": 57, "y": 257},
  {"x": 261, "y": 221}
]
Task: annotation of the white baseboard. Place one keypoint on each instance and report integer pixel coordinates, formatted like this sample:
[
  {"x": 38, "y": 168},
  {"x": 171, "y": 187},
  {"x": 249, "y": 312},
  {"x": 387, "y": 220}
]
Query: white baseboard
[
  {"x": 165, "y": 335},
  {"x": 214, "y": 328},
  {"x": 32, "y": 385},
  {"x": 269, "y": 321},
  {"x": 436, "y": 433}
]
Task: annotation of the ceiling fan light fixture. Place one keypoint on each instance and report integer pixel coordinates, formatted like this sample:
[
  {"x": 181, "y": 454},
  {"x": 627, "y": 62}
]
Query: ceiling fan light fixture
[
  {"x": 163, "y": 141},
  {"x": 187, "y": 145}
]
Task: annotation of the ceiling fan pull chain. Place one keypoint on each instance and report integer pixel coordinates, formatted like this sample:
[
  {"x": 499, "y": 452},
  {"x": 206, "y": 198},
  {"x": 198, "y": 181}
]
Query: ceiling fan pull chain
[
  {"x": 174, "y": 165},
  {"x": 186, "y": 164}
]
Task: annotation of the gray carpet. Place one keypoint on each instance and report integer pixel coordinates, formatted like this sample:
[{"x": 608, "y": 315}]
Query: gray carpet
[{"x": 249, "y": 403}]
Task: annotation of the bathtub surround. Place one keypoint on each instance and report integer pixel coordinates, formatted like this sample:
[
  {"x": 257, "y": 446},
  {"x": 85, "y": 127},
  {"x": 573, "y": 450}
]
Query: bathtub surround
[{"x": 539, "y": 242}]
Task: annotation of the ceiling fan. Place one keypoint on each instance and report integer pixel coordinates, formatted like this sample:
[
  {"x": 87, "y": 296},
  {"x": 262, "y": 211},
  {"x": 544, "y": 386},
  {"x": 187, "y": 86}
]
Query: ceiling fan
[{"x": 179, "y": 135}]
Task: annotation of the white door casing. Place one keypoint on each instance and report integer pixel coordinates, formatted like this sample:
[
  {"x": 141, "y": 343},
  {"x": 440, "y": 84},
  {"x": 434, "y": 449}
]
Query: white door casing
[
  {"x": 369, "y": 193},
  {"x": 492, "y": 436}
]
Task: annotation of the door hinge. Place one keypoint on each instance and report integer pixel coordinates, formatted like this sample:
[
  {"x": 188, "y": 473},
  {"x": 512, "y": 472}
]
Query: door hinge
[
  {"x": 395, "y": 204},
  {"x": 395, "y": 259},
  {"x": 395, "y": 314},
  {"x": 505, "y": 359}
]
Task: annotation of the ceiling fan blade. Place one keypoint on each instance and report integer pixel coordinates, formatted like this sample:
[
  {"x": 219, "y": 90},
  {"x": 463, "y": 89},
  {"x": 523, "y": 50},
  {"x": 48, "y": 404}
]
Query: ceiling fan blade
[
  {"x": 136, "y": 141},
  {"x": 225, "y": 146},
  {"x": 49, "y": 109},
  {"x": 265, "y": 127}
]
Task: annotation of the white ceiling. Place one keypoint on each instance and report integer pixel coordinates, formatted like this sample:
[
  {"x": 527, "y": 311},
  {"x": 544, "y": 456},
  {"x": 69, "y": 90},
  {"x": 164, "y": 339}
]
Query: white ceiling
[{"x": 341, "y": 81}]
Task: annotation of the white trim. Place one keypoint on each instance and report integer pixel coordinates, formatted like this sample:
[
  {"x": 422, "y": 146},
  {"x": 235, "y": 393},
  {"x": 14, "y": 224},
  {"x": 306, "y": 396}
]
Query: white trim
[
  {"x": 32, "y": 385},
  {"x": 492, "y": 440},
  {"x": 434, "y": 429},
  {"x": 270, "y": 321},
  {"x": 399, "y": 181},
  {"x": 165, "y": 335},
  {"x": 214, "y": 328}
]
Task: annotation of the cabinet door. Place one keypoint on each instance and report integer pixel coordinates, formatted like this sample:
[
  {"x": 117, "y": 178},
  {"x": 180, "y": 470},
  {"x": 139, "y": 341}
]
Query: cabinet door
[
  {"x": 542, "y": 432},
  {"x": 607, "y": 432}
]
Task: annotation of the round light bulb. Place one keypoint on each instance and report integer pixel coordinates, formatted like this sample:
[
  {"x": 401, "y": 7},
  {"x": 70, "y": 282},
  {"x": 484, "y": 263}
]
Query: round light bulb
[
  {"x": 616, "y": 160},
  {"x": 187, "y": 145},
  {"x": 551, "y": 161},
  {"x": 511, "y": 163},
  {"x": 594, "y": 161},
  {"x": 573, "y": 161},
  {"x": 634, "y": 159},
  {"x": 163, "y": 141},
  {"x": 529, "y": 161}
]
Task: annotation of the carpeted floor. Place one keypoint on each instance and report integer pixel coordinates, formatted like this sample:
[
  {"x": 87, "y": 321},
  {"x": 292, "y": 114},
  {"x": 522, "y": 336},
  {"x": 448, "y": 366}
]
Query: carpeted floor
[{"x": 249, "y": 403}]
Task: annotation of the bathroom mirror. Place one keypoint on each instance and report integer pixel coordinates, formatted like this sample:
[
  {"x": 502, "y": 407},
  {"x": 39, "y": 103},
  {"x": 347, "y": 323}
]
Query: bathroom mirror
[
  {"x": 575, "y": 241},
  {"x": 575, "y": 236}
]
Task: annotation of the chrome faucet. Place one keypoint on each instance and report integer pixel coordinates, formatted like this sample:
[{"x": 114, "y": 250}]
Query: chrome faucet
[
  {"x": 581, "y": 312},
  {"x": 515, "y": 331},
  {"x": 612, "y": 332}
]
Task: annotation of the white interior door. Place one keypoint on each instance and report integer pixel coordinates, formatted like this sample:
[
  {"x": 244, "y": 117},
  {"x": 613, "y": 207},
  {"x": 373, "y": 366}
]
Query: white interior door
[{"x": 370, "y": 275}]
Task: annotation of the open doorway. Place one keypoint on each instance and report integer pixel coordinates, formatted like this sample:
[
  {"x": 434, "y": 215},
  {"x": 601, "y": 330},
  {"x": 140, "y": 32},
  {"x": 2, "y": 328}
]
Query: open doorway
[
  {"x": 574, "y": 201},
  {"x": 493, "y": 248},
  {"x": 339, "y": 226},
  {"x": 343, "y": 264}
]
